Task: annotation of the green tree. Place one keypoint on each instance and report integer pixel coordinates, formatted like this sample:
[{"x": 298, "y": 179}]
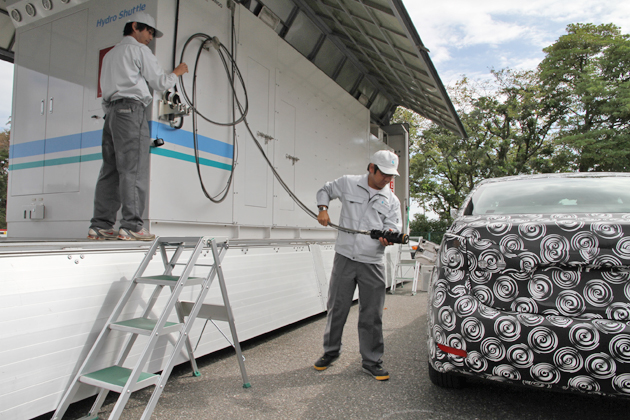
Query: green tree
[
  {"x": 586, "y": 77},
  {"x": 4, "y": 175},
  {"x": 429, "y": 229},
  {"x": 510, "y": 131}
]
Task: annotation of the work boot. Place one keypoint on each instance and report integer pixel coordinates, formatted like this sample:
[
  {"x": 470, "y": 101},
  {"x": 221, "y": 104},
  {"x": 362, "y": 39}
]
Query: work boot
[
  {"x": 377, "y": 372},
  {"x": 323, "y": 362}
]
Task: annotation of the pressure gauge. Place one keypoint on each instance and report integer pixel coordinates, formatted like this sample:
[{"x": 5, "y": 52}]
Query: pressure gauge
[
  {"x": 15, "y": 14},
  {"x": 30, "y": 9},
  {"x": 47, "y": 4}
]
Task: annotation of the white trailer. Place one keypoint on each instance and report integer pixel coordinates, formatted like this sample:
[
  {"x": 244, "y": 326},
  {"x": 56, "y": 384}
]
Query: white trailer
[{"x": 323, "y": 78}]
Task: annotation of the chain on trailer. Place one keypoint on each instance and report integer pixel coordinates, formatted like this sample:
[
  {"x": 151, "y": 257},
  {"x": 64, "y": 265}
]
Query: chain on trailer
[{"x": 227, "y": 58}]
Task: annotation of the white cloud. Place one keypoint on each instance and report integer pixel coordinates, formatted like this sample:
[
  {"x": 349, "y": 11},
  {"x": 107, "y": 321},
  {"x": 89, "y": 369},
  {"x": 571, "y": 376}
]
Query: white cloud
[{"x": 449, "y": 27}]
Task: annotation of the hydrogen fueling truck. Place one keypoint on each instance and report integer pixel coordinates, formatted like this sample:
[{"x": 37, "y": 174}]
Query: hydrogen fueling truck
[{"x": 282, "y": 96}]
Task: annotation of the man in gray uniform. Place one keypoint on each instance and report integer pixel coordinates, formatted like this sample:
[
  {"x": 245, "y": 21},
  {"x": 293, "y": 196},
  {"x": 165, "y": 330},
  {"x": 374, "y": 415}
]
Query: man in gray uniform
[
  {"x": 367, "y": 203},
  {"x": 128, "y": 70}
]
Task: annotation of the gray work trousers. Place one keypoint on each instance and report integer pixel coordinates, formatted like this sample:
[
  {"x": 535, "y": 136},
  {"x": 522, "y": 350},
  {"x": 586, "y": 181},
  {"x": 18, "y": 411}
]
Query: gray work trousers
[
  {"x": 124, "y": 176},
  {"x": 346, "y": 276}
]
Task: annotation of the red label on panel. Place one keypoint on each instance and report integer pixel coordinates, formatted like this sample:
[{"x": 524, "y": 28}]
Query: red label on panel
[
  {"x": 101, "y": 55},
  {"x": 391, "y": 185}
]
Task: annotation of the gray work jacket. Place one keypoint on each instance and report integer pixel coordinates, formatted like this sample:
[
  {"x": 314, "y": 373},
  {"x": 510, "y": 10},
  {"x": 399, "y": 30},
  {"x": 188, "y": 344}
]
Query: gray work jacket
[
  {"x": 360, "y": 213},
  {"x": 128, "y": 68}
]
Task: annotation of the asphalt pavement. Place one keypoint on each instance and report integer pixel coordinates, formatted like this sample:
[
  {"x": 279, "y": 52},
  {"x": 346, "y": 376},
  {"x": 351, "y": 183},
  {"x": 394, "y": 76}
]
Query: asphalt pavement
[{"x": 285, "y": 385}]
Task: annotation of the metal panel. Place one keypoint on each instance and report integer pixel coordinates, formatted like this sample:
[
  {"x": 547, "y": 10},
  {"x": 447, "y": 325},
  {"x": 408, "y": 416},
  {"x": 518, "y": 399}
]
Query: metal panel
[
  {"x": 328, "y": 58},
  {"x": 65, "y": 102},
  {"x": 257, "y": 59},
  {"x": 256, "y": 170},
  {"x": 303, "y": 35},
  {"x": 398, "y": 139},
  {"x": 285, "y": 161},
  {"x": 348, "y": 76},
  {"x": 29, "y": 123},
  {"x": 331, "y": 132},
  {"x": 175, "y": 191},
  {"x": 282, "y": 8}
]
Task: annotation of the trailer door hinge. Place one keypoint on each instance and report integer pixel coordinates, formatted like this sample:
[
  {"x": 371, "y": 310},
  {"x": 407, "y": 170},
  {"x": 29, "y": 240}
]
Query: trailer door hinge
[
  {"x": 293, "y": 158},
  {"x": 266, "y": 137}
]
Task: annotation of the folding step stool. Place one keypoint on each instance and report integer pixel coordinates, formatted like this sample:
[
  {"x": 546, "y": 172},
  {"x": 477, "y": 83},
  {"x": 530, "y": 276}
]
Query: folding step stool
[
  {"x": 402, "y": 264},
  {"x": 127, "y": 380}
]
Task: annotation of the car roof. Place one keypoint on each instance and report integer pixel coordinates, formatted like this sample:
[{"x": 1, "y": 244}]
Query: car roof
[{"x": 556, "y": 175}]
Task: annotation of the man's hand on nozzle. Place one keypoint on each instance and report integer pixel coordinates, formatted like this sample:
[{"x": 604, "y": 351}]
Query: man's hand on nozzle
[
  {"x": 180, "y": 70},
  {"x": 323, "y": 218},
  {"x": 384, "y": 241},
  {"x": 389, "y": 237}
]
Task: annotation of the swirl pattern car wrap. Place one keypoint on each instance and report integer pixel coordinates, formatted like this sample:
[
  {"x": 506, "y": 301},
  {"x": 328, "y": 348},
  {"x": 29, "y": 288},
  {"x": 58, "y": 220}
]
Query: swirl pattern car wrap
[{"x": 537, "y": 300}]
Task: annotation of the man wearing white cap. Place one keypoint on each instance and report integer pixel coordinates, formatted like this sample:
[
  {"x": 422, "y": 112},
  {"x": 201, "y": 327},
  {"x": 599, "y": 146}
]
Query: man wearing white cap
[
  {"x": 128, "y": 70},
  {"x": 367, "y": 203}
]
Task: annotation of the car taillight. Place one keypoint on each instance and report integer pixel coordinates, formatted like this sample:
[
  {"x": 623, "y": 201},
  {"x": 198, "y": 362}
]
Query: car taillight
[{"x": 452, "y": 350}]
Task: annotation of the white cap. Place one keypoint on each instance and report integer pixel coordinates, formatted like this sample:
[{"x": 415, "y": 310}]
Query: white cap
[
  {"x": 386, "y": 161},
  {"x": 147, "y": 19}
]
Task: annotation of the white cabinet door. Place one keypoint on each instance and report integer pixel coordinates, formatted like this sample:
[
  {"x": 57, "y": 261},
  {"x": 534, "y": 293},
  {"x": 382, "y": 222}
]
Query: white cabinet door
[
  {"x": 65, "y": 103},
  {"x": 285, "y": 161},
  {"x": 50, "y": 72},
  {"x": 29, "y": 123}
]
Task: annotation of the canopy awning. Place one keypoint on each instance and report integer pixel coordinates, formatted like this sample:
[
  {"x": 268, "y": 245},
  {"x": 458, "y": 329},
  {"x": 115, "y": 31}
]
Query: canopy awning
[
  {"x": 7, "y": 36},
  {"x": 370, "y": 48}
]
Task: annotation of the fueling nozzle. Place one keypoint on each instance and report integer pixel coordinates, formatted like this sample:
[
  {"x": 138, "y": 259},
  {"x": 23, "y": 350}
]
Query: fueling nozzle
[{"x": 393, "y": 237}]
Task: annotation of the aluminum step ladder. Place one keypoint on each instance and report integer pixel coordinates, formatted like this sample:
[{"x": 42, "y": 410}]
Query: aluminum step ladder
[
  {"x": 403, "y": 264},
  {"x": 126, "y": 380}
]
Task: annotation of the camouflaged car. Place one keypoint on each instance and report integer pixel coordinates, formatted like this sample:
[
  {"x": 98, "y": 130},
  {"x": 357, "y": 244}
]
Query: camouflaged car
[{"x": 532, "y": 285}]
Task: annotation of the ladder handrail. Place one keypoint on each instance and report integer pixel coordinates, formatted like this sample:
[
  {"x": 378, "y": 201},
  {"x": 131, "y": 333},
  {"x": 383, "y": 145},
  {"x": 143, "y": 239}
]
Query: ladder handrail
[{"x": 159, "y": 387}]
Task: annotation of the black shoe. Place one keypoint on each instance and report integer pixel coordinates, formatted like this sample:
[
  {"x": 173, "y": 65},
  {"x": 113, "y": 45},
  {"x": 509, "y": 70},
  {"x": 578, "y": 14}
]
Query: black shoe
[
  {"x": 323, "y": 362},
  {"x": 377, "y": 372}
]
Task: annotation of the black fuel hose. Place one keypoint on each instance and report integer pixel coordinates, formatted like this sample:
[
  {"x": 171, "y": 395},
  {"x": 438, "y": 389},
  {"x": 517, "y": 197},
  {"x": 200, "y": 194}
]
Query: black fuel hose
[{"x": 226, "y": 56}]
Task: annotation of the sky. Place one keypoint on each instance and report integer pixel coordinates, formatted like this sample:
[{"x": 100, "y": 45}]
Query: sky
[{"x": 472, "y": 37}]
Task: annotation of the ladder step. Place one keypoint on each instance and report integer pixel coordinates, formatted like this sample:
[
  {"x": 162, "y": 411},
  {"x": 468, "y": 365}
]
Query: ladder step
[
  {"x": 115, "y": 378},
  {"x": 207, "y": 311},
  {"x": 196, "y": 264},
  {"x": 164, "y": 280},
  {"x": 144, "y": 326},
  {"x": 190, "y": 241}
]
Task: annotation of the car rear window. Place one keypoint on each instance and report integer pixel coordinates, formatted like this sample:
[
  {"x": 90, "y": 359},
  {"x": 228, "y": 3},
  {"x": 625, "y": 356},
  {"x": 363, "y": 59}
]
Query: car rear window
[{"x": 553, "y": 195}]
